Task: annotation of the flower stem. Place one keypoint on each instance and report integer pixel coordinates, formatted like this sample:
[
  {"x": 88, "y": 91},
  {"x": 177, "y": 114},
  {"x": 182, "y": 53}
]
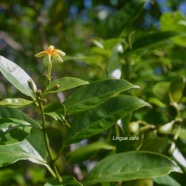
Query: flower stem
[{"x": 49, "y": 70}]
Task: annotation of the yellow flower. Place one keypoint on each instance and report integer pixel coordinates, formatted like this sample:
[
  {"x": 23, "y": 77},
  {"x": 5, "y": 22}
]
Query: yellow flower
[{"x": 51, "y": 52}]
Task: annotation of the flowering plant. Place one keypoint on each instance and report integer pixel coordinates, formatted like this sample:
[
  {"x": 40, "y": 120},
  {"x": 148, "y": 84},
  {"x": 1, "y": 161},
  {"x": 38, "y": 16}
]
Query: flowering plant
[{"x": 100, "y": 105}]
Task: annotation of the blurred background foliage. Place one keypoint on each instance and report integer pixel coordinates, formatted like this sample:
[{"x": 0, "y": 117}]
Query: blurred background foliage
[{"x": 140, "y": 41}]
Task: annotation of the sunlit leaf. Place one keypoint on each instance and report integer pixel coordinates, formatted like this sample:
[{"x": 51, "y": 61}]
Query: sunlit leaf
[
  {"x": 13, "y": 130},
  {"x": 6, "y": 112},
  {"x": 16, "y": 76},
  {"x": 15, "y": 102},
  {"x": 131, "y": 165},
  {"x": 32, "y": 149}
]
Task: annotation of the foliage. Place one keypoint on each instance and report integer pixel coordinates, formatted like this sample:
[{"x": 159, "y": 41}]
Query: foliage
[{"x": 118, "y": 104}]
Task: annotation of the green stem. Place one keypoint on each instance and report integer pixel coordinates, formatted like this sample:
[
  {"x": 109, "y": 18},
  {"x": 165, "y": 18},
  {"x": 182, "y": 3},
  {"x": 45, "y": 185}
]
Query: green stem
[
  {"x": 54, "y": 172},
  {"x": 49, "y": 70},
  {"x": 50, "y": 170}
]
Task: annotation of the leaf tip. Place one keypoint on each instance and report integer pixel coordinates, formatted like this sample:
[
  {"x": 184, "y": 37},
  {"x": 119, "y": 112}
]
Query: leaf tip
[{"x": 136, "y": 86}]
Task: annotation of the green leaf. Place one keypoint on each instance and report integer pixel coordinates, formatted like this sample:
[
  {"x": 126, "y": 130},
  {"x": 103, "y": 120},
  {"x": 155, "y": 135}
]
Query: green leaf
[
  {"x": 156, "y": 101},
  {"x": 17, "y": 76},
  {"x": 15, "y": 102},
  {"x": 110, "y": 43},
  {"x": 138, "y": 182},
  {"x": 160, "y": 145},
  {"x": 13, "y": 130},
  {"x": 67, "y": 181},
  {"x": 64, "y": 83},
  {"x": 176, "y": 89},
  {"x": 161, "y": 89},
  {"x": 32, "y": 149},
  {"x": 129, "y": 166},
  {"x": 182, "y": 134},
  {"x": 166, "y": 181},
  {"x": 94, "y": 94},
  {"x": 102, "y": 117},
  {"x": 36, "y": 143},
  {"x": 174, "y": 21},
  {"x": 56, "y": 111},
  {"x": 149, "y": 41},
  {"x": 83, "y": 153},
  {"x": 6, "y": 112},
  {"x": 123, "y": 18}
]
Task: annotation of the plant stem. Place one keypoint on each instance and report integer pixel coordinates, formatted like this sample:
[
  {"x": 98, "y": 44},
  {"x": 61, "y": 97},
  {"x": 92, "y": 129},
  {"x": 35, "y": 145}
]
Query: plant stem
[
  {"x": 54, "y": 172},
  {"x": 49, "y": 70}
]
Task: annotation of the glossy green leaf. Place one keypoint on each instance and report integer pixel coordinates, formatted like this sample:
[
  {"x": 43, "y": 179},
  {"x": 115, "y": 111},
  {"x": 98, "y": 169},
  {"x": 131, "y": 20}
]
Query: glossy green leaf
[
  {"x": 131, "y": 165},
  {"x": 15, "y": 102},
  {"x": 102, "y": 117},
  {"x": 94, "y": 94},
  {"x": 6, "y": 112},
  {"x": 64, "y": 83},
  {"x": 16, "y": 76},
  {"x": 13, "y": 130},
  {"x": 32, "y": 149},
  {"x": 176, "y": 89},
  {"x": 11, "y": 153},
  {"x": 149, "y": 41},
  {"x": 174, "y": 21},
  {"x": 83, "y": 153}
]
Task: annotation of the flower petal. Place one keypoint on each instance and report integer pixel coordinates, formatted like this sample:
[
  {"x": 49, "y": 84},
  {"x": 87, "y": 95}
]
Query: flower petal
[
  {"x": 58, "y": 57},
  {"x": 41, "y": 54},
  {"x": 60, "y": 52}
]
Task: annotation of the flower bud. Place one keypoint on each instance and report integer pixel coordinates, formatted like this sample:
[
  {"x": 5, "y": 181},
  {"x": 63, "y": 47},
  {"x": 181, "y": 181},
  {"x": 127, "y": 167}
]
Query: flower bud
[
  {"x": 133, "y": 127},
  {"x": 53, "y": 88},
  {"x": 166, "y": 129},
  {"x": 38, "y": 94}
]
